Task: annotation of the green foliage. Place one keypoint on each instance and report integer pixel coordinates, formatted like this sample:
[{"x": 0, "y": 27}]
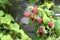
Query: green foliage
[
  {"x": 8, "y": 24},
  {"x": 50, "y": 38},
  {"x": 6, "y": 19},
  {"x": 1, "y": 35},
  {"x": 49, "y": 12},
  {"x": 57, "y": 28},
  {"x": 46, "y": 20},
  {"x": 49, "y": 4},
  {"x": 24, "y": 36},
  {"x": 3, "y": 3},
  {"x": 56, "y": 8},
  {"x": 9, "y": 29},
  {"x": 33, "y": 1},
  {"x": 1, "y": 13},
  {"x": 6, "y": 37},
  {"x": 14, "y": 27}
]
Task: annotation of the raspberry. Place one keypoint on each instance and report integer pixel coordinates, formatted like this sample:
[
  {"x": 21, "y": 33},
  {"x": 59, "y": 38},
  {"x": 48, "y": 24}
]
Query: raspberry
[
  {"x": 35, "y": 10},
  {"x": 40, "y": 20},
  {"x": 50, "y": 24},
  {"x": 33, "y": 19},
  {"x": 40, "y": 32},
  {"x": 27, "y": 14}
]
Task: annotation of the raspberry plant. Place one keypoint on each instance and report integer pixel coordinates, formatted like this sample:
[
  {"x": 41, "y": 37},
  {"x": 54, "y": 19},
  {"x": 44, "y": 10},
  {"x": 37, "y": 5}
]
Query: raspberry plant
[{"x": 43, "y": 18}]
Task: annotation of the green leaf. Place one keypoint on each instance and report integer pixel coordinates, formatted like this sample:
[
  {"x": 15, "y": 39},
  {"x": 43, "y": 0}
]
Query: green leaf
[
  {"x": 1, "y": 13},
  {"x": 14, "y": 27},
  {"x": 9, "y": 16},
  {"x": 57, "y": 28},
  {"x": 56, "y": 8},
  {"x": 58, "y": 38},
  {"x": 24, "y": 36},
  {"x": 38, "y": 38},
  {"x": 17, "y": 0},
  {"x": 4, "y": 1},
  {"x": 3, "y": 6},
  {"x": 49, "y": 38},
  {"x": 33, "y": 1},
  {"x": 17, "y": 39},
  {"x": 6, "y": 37},
  {"x": 49, "y": 12},
  {"x": 46, "y": 20},
  {"x": 4, "y": 21},
  {"x": 1, "y": 34},
  {"x": 7, "y": 19},
  {"x": 49, "y": 4},
  {"x": 29, "y": 21},
  {"x": 45, "y": 31}
]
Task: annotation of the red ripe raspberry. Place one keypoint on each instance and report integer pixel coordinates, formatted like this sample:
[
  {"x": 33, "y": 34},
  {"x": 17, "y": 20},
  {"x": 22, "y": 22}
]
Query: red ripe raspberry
[
  {"x": 40, "y": 20},
  {"x": 35, "y": 10},
  {"x": 50, "y": 24},
  {"x": 40, "y": 34},
  {"x": 33, "y": 19},
  {"x": 27, "y": 14},
  {"x": 41, "y": 31}
]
